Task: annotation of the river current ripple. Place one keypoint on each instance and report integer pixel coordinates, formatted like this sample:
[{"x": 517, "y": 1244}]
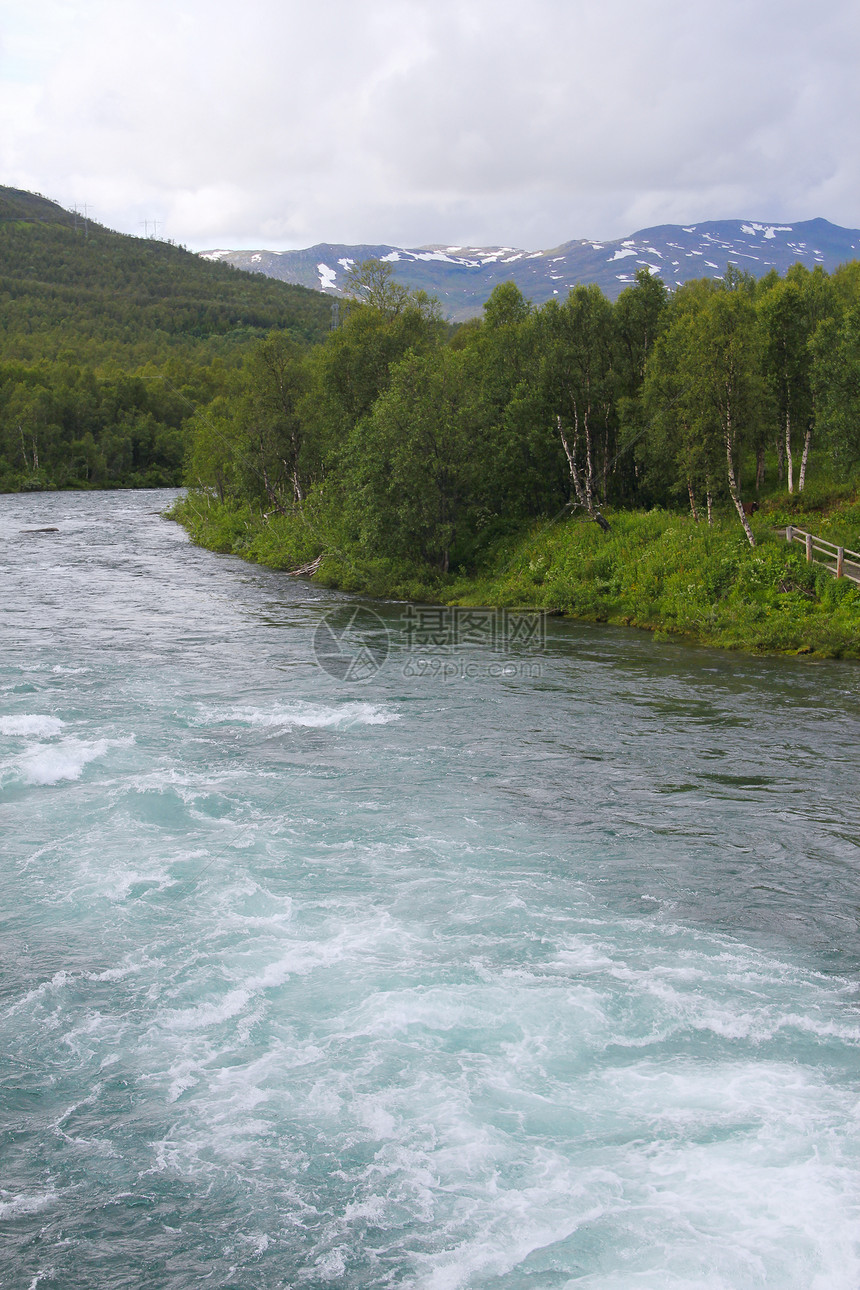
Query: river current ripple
[{"x": 541, "y": 979}]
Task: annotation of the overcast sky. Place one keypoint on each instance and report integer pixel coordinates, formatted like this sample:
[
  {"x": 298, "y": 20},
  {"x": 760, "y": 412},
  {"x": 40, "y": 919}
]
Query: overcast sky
[{"x": 279, "y": 123}]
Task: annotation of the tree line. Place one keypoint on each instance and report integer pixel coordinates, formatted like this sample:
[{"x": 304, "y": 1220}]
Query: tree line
[
  {"x": 424, "y": 442},
  {"x": 108, "y": 342},
  {"x": 65, "y": 426}
]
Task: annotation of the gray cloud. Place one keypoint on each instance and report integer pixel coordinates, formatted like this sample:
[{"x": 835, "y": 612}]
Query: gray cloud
[{"x": 480, "y": 121}]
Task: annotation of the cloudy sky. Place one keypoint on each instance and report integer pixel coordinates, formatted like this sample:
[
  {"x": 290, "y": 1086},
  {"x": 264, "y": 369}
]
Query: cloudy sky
[{"x": 281, "y": 123}]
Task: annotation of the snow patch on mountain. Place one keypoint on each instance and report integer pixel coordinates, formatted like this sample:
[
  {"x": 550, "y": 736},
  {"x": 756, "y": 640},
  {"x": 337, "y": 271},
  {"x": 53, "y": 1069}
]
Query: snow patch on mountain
[
  {"x": 769, "y": 230},
  {"x": 464, "y": 276}
]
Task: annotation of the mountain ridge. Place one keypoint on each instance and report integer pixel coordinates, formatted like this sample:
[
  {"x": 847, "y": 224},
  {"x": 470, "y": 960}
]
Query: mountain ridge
[{"x": 463, "y": 277}]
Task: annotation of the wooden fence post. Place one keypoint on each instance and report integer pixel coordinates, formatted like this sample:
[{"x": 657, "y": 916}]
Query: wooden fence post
[
  {"x": 809, "y": 547},
  {"x": 789, "y": 534},
  {"x": 840, "y": 561}
]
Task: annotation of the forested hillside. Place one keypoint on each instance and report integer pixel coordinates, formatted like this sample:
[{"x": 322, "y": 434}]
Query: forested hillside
[{"x": 108, "y": 341}]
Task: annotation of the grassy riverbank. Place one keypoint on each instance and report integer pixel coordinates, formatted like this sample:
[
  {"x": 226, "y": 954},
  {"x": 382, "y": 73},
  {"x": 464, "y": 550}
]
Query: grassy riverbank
[{"x": 656, "y": 570}]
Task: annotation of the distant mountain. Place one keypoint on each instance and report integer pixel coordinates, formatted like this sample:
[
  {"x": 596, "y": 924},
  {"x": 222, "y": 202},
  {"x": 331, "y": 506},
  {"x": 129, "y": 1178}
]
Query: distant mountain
[{"x": 463, "y": 277}]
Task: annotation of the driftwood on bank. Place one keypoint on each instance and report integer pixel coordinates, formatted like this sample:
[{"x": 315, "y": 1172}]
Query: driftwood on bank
[{"x": 305, "y": 570}]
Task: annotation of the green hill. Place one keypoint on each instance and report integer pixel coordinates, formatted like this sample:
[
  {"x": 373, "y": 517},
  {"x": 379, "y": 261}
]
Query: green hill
[
  {"x": 107, "y": 342},
  {"x": 16, "y": 204},
  {"x": 70, "y": 287}
]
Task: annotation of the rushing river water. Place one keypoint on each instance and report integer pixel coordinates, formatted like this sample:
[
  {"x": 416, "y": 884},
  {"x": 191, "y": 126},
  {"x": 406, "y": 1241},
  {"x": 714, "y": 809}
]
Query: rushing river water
[{"x": 502, "y": 967}]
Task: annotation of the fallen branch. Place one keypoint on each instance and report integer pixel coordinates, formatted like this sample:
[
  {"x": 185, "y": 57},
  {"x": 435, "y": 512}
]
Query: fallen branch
[{"x": 306, "y": 570}]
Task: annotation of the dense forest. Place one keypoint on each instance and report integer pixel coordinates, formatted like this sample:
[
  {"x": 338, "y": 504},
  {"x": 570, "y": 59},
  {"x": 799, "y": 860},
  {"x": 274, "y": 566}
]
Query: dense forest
[
  {"x": 421, "y": 446},
  {"x": 628, "y": 463},
  {"x": 108, "y": 342}
]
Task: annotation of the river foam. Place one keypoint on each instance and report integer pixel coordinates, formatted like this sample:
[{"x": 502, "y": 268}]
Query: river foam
[
  {"x": 29, "y": 724},
  {"x": 440, "y": 987},
  {"x": 299, "y": 714}
]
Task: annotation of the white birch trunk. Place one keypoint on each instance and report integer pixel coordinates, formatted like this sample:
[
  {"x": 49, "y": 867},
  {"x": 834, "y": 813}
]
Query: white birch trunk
[
  {"x": 734, "y": 491},
  {"x": 589, "y": 466},
  {"x": 293, "y": 474},
  {"x": 571, "y": 461},
  {"x": 692, "y": 497},
  {"x": 805, "y": 458}
]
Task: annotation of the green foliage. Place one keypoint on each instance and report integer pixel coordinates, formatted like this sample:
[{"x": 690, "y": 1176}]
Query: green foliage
[
  {"x": 409, "y": 465},
  {"x": 350, "y": 372},
  {"x": 397, "y": 451},
  {"x": 639, "y": 320},
  {"x": 663, "y": 571},
  {"x": 506, "y": 307},
  {"x": 108, "y": 343},
  {"x": 224, "y": 526},
  {"x": 655, "y": 569},
  {"x": 418, "y": 457},
  {"x": 836, "y": 382},
  {"x": 372, "y": 282},
  {"x": 63, "y": 426},
  {"x": 82, "y": 292}
]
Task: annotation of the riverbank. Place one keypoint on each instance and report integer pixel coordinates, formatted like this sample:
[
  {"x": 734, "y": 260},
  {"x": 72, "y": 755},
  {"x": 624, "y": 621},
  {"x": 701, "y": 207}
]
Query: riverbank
[{"x": 655, "y": 570}]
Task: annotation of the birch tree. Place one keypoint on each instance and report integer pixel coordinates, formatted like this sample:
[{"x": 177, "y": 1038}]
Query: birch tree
[
  {"x": 683, "y": 443},
  {"x": 578, "y": 380},
  {"x": 725, "y": 377}
]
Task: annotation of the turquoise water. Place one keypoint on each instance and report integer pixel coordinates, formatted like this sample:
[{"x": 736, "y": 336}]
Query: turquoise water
[{"x": 537, "y": 980}]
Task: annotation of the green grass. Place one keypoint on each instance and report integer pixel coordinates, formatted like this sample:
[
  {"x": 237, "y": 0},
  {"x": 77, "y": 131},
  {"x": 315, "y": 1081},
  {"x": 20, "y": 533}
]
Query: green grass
[
  {"x": 656, "y": 570},
  {"x": 822, "y": 511},
  {"x": 661, "y": 571}
]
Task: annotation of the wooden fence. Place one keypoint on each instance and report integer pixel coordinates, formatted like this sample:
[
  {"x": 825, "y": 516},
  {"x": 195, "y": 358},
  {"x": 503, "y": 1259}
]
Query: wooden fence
[{"x": 841, "y": 562}]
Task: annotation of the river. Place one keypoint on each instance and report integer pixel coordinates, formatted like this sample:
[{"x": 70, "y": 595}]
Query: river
[{"x": 348, "y": 945}]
